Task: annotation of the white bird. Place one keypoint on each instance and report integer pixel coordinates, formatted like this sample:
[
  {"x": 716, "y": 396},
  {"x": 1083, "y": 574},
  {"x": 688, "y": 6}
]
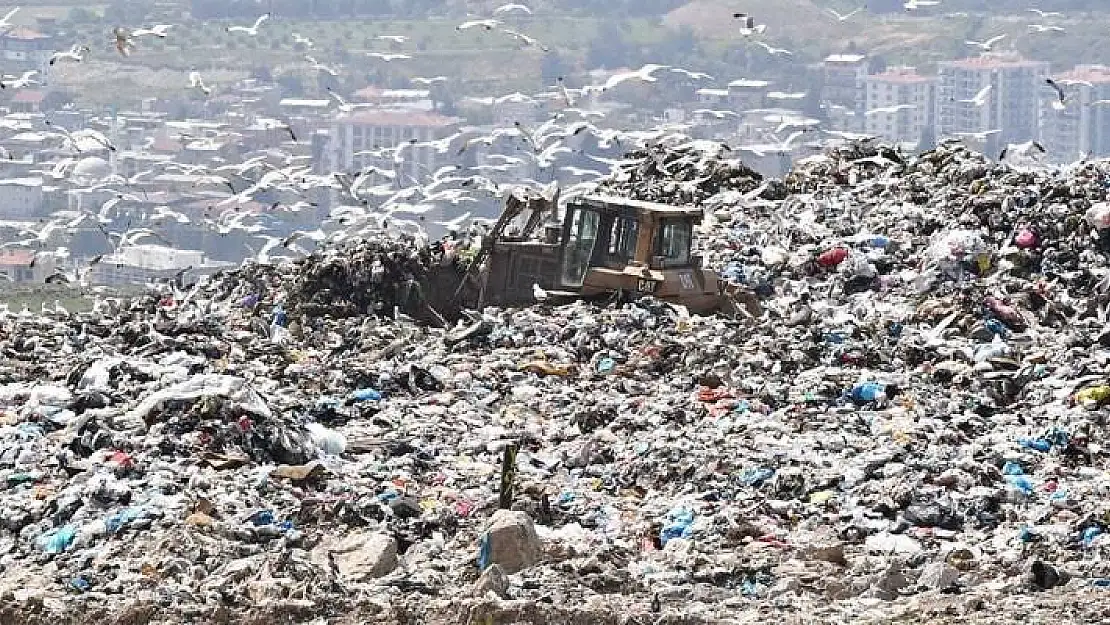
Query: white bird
[
  {"x": 76, "y": 54},
  {"x": 644, "y": 74},
  {"x": 1044, "y": 28},
  {"x": 197, "y": 82},
  {"x": 890, "y": 109},
  {"x": 748, "y": 25},
  {"x": 512, "y": 8},
  {"x": 250, "y": 30},
  {"x": 304, "y": 41},
  {"x": 1024, "y": 150},
  {"x": 420, "y": 80},
  {"x": 528, "y": 41},
  {"x": 347, "y": 107},
  {"x": 538, "y": 293},
  {"x": 773, "y": 51},
  {"x": 913, "y": 5},
  {"x": 978, "y": 136},
  {"x": 692, "y": 75},
  {"x": 5, "y": 22},
  {"x": 988, "y": 45},
  {"x": 1099, "y": 103},
  {"x": 385, "y": 56},
  {"x": 21, "y": 82},
  {"x": 158, "y": 30},
  {"x": 392, "y": 38},
  {"x": 320, "y": 67},
  {"x": 1045, "y": 14},
  {"x": 488, "y": 24},
  {"x": 980, "y": 98},
  {"x": 716, "y": 114},
  {"x": 1061, "y": 101},
  {"x": 843, "y": 17}
]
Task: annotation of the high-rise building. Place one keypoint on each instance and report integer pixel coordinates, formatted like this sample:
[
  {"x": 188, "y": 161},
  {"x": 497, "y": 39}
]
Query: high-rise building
[
  {"x": 842, "y": 83},
  {"x": 1011, "y": 105},
  {"x": 1079, "y": 128},
  {"x": 899, "y": 104}
]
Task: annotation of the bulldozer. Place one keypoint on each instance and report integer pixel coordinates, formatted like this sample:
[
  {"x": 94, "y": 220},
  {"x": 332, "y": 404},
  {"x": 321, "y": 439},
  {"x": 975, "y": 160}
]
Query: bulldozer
[{"x": 603, "y": 247}]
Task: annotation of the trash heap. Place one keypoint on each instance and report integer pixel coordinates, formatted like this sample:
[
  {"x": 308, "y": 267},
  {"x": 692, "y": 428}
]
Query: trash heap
[{"x": 912, "y": 431}]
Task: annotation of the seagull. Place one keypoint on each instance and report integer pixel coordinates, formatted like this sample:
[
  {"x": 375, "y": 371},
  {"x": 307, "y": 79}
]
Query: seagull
[
  {"x": 978, "y": 136},
  {"x": 1044, "y": 28},
  {"x": 913, "y": 5},
  {"x": 158, "y": 30},
  {"x": 512, "y": 8},
  {"x": 123, "y": 41},
  {"x": 1061, "y": 101},
  {"x": 385, "y": 56},
  {"x": 1045, "y": 14},
  {"x": 716, "y": 114},
  {"x": 1021, "y": 149},
  {"x": 528, "y": 41},
  {"x": 644, "y": 74},
  {"x": 392, "y": 38},
  {"x": 890, "y": 109},
  {"x": 21, "y": 82},
  {"x": 489, "y": 24},
  {"x": 845, "y": 16},
  {"x": 1099, "y": 103},
  {"x": 538, "y": 293},
  {"x": 304, "y": 41},
  {"x": 773, "y": 51},
  {"x": 980, "y": 98},
  {"x": 250, "y": 30},
  {"x": 692, "y": 75},
  {"x": 76, "y": 54},
  {"x": 420, "y": 80},
  {"x": 988, "y": 45},
  {"x": 748, "y": 25},
  {"x": 5, "y": 22},
  {"x": 196, "y": 82},
  {"x": 320, "y": 67},
  {"x": 344, "y": 106}
]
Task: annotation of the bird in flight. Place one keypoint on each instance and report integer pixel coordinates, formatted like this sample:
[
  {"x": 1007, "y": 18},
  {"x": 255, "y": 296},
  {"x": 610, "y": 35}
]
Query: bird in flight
[
  {"x": 980, "y": 98},
  {"x": 250, "y": 30},
  {"x": 158, "y": 30},
  {"x": 512, "y": 8},
  {"x": 988, "y": 45},
  {"x": 76, "y": 54},
  {"x": 6, "y": 21},
  {"x": 196, "y": 82},
  {"x": 124, "y": 44},
  {"x": 843, "y": 17}
]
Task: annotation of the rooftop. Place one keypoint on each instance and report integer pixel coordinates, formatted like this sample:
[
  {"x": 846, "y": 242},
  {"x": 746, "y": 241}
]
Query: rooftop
[
  {"x": 1094, "y": 74},
  {"x": 845, "y": 58},
  {"x": 900, "y": 75},
  {"x": 24, "y": 33},
  {"x": 16, "y": 258},
  {"x": 399, "y": 118},
  {"x": 1001, "y": 60},
  {"x": 747, "y": 83}
]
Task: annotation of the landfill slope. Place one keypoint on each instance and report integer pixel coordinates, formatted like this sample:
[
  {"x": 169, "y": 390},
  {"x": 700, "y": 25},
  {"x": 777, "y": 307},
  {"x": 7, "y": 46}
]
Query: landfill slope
[{"x": 910, "y": 432}]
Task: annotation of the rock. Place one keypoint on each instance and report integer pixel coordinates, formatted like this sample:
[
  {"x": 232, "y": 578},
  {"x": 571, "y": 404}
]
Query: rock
[
  {"x": 885, "y": 585},
  {"x": 510, "y": 540},
  {"x": 784, "y": 586},
  {"x": 1043, "y": 576},
  {"x": 938, "y": 576},
  {"x": 364, "y": 556},
  {"x": 493, "y": 579},
  {"x": 826, "y": 552}
]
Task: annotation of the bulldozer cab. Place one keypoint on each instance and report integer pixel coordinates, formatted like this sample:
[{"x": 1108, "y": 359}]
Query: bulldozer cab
[{"x": 603, "y": 245}]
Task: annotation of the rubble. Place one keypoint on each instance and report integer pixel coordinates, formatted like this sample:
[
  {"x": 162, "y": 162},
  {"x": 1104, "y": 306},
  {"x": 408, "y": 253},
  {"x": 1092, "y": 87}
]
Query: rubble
[{"x": 913, "y": 427}]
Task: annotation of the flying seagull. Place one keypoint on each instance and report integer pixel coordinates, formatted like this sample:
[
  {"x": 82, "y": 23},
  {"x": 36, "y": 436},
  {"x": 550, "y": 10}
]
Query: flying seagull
[
  {"x": 1061, "y": 101},
  {"x": 158, "y": 30},
  {"x": 845, "y": 16},
  {"x": 76, "y": 54},
  {"x": 980, "y": 98},
  {"x": 988, "y": 45},
  {"x": 250, "y": 30},
  {"x": 123, "y": 41},
  {"x": 512, "y": 8},
  {"x": 5, "y": 22},
  {"x": 196, "y": 82},
  {"x": 486, "y": 24}
]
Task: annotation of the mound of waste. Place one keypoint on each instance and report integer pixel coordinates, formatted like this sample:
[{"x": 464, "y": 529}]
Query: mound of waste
[{"x": 912, "y": 431}]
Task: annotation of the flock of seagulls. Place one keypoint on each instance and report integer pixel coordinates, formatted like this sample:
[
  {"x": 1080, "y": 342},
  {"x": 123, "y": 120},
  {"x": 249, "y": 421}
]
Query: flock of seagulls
[{"x": 572, "y": 148}]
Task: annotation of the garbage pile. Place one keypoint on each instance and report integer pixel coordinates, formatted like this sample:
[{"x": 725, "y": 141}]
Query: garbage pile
[
  {"x": 912, "y": 431},
  {"x": 690, "y": 173}
]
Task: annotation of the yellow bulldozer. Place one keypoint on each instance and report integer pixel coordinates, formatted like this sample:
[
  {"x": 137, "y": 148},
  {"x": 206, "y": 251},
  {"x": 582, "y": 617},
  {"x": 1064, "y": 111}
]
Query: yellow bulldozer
[{"x": 602, "y": 247}]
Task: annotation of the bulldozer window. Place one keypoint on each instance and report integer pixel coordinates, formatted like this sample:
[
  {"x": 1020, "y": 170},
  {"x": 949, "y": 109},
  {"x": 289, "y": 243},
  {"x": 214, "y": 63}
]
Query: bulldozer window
[
  {"x": 622, "y": 239},
  {"x": 673, "y": 247},
  {"x": 580, "y": 246}
]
